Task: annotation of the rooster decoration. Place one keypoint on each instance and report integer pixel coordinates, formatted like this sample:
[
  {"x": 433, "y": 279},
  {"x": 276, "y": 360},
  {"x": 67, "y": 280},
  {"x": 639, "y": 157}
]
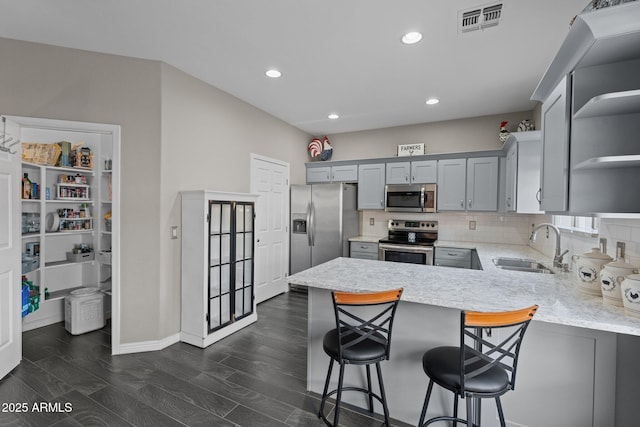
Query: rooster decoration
[
  {"x": 320, "y": 148},
  {"x": 504, "y": 133}
]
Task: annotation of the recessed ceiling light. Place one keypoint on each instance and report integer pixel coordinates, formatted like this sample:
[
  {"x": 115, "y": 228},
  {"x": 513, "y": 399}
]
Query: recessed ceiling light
[
  {"x": 412, "y": 37},
  {"x": 432, "y": 101},
  {"x": 333, "y": 116},
  {"x": 273, "y": 73}
]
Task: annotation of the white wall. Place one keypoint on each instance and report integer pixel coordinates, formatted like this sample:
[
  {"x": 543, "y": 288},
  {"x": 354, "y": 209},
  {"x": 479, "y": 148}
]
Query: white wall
[
  {"x": 177, "y": 134},
  {"x": 451, "y": 136},
  {"x": 207, "y": 138},
  {"x": 58, "y": 83}
]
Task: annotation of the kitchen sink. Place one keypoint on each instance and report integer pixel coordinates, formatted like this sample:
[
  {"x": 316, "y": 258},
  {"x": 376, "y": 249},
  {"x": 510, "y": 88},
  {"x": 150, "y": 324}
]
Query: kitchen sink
[{"x": 521, "y": 264}]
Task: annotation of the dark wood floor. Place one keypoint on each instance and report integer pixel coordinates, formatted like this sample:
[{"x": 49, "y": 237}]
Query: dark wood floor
[{"x": 256, "y": 377}]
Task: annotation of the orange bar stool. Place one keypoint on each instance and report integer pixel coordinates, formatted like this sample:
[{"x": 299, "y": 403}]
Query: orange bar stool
[
  {"x": 362, "y": 337},
  {"x": 481, "y": 367}
]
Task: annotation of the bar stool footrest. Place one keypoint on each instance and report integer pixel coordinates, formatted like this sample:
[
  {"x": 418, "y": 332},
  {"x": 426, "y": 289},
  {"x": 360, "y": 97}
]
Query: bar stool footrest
[{"x": 359, "y": 389}]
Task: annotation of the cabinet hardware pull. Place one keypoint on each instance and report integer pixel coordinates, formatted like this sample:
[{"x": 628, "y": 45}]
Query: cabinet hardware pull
[
  {"x": 462, "y": 203},
  {"x": 469, "y": 202},
  {"x": 539, "y": 195}
]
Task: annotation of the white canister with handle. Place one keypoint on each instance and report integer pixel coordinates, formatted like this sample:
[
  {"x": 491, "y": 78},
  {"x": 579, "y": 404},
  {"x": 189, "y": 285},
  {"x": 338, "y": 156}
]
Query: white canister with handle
[
  {"x": 611, "y": 278},
  {"x": 631, "y": 295},
  {"x": 588, "y": 268}
]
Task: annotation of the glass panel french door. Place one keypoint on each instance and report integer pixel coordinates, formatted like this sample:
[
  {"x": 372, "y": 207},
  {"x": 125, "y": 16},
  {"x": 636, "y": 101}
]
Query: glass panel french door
[
  {"x": 230, "y": 262},
  {"x": 244, "y": 260}
]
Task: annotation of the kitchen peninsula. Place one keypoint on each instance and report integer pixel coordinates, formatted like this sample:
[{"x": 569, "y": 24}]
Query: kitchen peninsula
[{"x": 570, "y": 372}]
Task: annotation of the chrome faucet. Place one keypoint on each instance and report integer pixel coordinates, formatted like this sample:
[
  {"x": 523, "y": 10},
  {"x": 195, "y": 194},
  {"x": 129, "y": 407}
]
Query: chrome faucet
[{"x": 557, "y": 259}]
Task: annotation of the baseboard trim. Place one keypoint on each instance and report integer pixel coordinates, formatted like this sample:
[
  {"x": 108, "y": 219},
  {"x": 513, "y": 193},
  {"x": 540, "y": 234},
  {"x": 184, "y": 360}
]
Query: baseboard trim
[{"x": 143, "y": 346}]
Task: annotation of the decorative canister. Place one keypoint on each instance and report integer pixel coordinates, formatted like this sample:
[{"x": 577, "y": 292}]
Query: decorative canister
[
  {"x": 588, "y": 267},
  {"x": 631, "y": 295},
  {"x": 611, "y": 278}
]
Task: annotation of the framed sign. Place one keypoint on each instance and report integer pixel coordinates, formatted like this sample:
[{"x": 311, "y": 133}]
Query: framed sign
[{"x": 410, "y": 150}]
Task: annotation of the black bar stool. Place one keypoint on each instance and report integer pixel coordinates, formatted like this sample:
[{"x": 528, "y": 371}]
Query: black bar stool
[
  {"x": 479, "y": 368},
  {"x": 362, "y": 337}
]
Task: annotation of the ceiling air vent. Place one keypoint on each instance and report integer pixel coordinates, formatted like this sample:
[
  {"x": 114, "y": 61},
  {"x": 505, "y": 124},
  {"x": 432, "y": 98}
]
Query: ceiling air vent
[{"x": 479, "y": 18}]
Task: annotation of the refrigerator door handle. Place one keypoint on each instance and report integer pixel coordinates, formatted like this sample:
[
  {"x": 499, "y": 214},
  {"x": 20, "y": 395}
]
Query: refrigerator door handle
[
  {"x": 312, "y": 227},
  {"x": 309, "y": 223}
]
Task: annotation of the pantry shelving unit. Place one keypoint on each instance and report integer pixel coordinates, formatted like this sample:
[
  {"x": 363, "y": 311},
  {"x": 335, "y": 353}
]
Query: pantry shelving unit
[{"x": 68, "y": 212}]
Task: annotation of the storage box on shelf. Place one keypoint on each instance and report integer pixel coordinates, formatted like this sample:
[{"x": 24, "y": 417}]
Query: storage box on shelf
[{"x": 59, "y": 215}]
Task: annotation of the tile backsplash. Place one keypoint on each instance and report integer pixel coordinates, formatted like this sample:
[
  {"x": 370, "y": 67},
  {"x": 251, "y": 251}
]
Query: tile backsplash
[
  {"x": 516, "y": 229},
  {"x": 455, "y": 226}
]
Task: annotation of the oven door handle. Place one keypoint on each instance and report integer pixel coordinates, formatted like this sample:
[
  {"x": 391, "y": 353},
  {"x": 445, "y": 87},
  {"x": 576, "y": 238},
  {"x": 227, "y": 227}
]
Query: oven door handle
[{"x": 405, "y": 248}]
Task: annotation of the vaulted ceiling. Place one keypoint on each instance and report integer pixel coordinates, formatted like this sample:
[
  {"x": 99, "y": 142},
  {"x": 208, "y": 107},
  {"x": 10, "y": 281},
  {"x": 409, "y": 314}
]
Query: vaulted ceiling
[{"x": 335, "y": 56}]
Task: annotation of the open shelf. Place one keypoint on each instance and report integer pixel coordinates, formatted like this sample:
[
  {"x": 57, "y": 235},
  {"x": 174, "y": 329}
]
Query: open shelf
[
  {"x": 599, "y": 37},
  {"x": 64, "y": 263},
  {"x": 609, "y": 104},
  {"x": 70, "y": 232},
  {"x": 59, "y": 168},
  {"x": 609, "y": 162}
]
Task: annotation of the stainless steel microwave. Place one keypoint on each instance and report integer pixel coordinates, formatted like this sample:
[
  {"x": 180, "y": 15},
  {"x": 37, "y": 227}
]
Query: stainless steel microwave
[{"x": 410, "y": 198}]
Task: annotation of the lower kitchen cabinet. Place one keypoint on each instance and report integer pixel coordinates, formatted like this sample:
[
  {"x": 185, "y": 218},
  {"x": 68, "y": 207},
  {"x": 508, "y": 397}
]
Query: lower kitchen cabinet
[
  {"x": 363, "y": 250},
  {"x": 217, "y": 265},
  {"x": 452, "y": 257}
]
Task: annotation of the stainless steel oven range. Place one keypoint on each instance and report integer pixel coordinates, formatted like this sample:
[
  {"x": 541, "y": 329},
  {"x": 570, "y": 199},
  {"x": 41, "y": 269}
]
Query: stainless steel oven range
[{"x": 409, "y": 241}]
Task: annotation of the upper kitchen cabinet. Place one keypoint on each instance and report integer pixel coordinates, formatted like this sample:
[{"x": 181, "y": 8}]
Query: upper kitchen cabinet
[
  {"x": 371, "y": 181},
  {"x": 416, "y": 172},
  {"x": 338, "y": 173},
  {"x": 482, "y": 184},
  {"x": 468, "y": 184},
  {"x": 424, "y": 171},
  {"x": 591, "y": 116},
  {"x": 556, "y": 120},
  {"x": 452, "y": 181},
  {"x": 523, "y": 172}
]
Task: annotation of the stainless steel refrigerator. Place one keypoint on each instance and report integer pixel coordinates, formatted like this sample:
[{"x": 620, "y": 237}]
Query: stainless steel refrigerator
[{"x": 323, "y": 218}]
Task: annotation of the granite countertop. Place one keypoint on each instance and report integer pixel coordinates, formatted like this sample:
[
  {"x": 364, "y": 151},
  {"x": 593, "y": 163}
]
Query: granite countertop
[{"x": 491, "y": 289}]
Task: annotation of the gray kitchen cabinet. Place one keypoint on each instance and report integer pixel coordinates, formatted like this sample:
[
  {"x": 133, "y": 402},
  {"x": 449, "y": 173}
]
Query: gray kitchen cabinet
[
  {"x": 363, "y": 250},
  {"x": 452, "y": 257},
  {"x": 371, "y": 182},
  {"x": 482, "y": 184},
  {"x": 554, "y": 173},
  {"x": 424, "y": 171},
  {"x": 319, "y": 174},
  {"x": 344, "y": 173},
  {"x": 398, "y": 173},
  {"x": 416, "y": 172},
  {"x": 338, "y": 173},
  {"x": 468, "y": 184},
  {"x": 523, "y": 172},
  {"x": 591, "y": 116},
  {"x": 452, "y": 181}
]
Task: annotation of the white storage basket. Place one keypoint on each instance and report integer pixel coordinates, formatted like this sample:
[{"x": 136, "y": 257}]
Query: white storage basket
[{"x": 84, "y": 311}]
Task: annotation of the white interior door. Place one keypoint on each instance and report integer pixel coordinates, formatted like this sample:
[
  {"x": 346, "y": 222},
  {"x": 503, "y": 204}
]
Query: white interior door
[
  {"x": 270, "y": 180},
  {"x": 10, "y": 286}
]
